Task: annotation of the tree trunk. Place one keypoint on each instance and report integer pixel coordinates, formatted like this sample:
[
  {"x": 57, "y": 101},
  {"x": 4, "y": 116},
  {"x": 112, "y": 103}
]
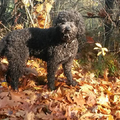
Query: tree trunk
[
  {"x": 108, "y": 21},
  {"x": 3, "y": 4}
]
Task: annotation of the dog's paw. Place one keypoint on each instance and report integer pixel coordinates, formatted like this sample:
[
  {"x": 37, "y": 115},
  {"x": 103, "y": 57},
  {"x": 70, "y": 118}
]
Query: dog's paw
[
  {"x": 51, "y": 87},
  {"x": 73, "y": 83}
]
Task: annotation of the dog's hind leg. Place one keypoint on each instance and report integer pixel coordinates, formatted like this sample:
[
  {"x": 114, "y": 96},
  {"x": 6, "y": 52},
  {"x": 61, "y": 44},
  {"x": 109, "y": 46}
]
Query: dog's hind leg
[
  {"x": 15, "y": 71},
  {"x": 17, "y": 64}
]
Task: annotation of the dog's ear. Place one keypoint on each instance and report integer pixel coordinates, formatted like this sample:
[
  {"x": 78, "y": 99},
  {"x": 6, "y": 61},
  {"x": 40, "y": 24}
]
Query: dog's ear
[
  {"x": 61, "y": 18},
  {"x": 58, "y": 32},
  {"x": 58, "y": 28}
]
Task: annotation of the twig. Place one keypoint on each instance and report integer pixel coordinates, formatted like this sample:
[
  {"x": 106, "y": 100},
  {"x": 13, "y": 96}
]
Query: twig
[
  {"x": 5, "y": 27},
  {"x": 1, "y": 37},
  {"x": 30, "y": 16},
  {"x": 46, "y": 18}
]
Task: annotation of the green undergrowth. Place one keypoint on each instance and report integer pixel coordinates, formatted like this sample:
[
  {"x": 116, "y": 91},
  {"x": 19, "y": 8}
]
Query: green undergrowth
[{"x": 100, "y": 64}]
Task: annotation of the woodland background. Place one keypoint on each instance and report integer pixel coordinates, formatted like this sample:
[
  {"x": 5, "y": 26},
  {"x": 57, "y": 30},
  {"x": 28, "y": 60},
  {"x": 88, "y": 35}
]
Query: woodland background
[{"x": 96, "y": 67}]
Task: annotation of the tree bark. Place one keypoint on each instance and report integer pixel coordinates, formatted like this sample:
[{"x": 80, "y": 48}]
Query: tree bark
[
  {"x": 108, "y": 23},
  {"x": 3, "y": 4}
]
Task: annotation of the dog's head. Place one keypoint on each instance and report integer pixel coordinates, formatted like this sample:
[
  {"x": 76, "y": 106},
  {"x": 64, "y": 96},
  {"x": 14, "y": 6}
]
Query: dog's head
[
  {"x": 67, "y": 31},
  {"x": 72, "y": 16}
]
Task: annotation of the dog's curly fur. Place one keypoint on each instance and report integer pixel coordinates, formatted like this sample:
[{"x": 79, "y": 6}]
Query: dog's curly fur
[
  {"x": 56, "y": 45},
  {"x": 72, "y": 16}
]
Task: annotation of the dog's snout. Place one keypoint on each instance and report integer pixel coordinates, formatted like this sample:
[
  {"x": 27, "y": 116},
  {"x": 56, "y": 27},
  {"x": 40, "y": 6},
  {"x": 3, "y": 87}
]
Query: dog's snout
[{"x": 67, "y": 28}]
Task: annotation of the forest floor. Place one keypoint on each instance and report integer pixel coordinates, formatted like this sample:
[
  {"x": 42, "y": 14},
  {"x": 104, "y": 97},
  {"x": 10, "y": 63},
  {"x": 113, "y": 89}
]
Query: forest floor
[{"x": 92, "y": 99}]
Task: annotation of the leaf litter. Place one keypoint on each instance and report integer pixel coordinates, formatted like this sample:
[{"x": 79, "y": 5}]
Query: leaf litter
[{"x": 93, "y": 98}]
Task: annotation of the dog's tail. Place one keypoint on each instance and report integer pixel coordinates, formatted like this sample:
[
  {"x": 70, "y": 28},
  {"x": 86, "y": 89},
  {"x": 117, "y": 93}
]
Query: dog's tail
[{"x": 2, "y": 46}]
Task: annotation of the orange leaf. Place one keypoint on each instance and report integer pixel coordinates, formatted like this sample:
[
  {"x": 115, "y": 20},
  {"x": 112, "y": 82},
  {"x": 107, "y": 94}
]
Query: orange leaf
[
  {"x": 104, "y": 110},
  {"x": 79, "y": 100},
  {"x": 69, "y": 98},
  {"x": 90, "y": 39},
  {"x": 18, "y": 26},
  {"x": 58, "y": 84},
  {"x": 91, "y": 99},
  {"x": 106, "y": 74},
  {"x": 59, "y": 92},
  {"x": 90, "y": 14},
  {"x": 117, "y": 114}
]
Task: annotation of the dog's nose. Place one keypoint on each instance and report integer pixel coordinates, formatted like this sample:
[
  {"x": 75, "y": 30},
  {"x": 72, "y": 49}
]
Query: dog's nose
[{"x": 67, "y": 28}]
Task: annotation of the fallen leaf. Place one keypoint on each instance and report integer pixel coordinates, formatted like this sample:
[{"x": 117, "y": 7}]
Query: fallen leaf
[
  {"x": 117, "y": 114},
  {"x": 103, "y": 100},
  {"x": 79, "y": 100},
  {"x": 91, "y": 99}
]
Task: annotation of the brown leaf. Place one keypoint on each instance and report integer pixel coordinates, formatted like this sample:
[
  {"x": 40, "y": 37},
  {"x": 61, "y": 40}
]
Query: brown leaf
[
  {"x": 43, "y": 116},
  {"x": 69, "y": 98},
  {"x": 11, "y": 99},
  {"x": 106, "y": 74},
  {"x": 29, "y": 115},
  {"x": 91, "y": 101},
  {"x": 117, "y": 114}
]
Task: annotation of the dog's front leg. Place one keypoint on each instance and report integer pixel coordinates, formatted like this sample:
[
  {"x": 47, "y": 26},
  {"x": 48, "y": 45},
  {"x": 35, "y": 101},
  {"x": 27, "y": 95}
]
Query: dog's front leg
[
  {"x": 51, "y": 70},
  {"x": 67, "y": 71}
]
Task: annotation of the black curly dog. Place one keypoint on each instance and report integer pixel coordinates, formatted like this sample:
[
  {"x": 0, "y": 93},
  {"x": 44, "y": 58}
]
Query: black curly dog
[{"x": 56, "y": 45}]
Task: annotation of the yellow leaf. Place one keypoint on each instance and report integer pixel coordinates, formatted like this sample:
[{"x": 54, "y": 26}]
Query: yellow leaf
[
  {"x": 4, "y": 84},
  {"x": 26, "y": 3},
  {"x": 39, "y": 8},
  {"x": 103, "y": 100},
  {"x": 18, "y": 26},
  {"x": 110, "y": 117},
  {"x": 105, "y": 49},
  {"x": 86, "y": 88},
  {"x": 99, "y": 45},
  {"x": 116, "y": 99},
  {"x": 99, "y": 53},
  {"x": 96, "y": 48},
  {"x": 4, "y": 61},
  {"x": 48, "y": 7},
  {"x": 37, "y": 88},
  {"x": 103, "y": 52}
]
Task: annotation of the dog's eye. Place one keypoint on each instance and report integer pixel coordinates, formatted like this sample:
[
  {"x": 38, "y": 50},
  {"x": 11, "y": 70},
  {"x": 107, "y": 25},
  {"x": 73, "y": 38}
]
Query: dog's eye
[{"x": 63, "y": 22}]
